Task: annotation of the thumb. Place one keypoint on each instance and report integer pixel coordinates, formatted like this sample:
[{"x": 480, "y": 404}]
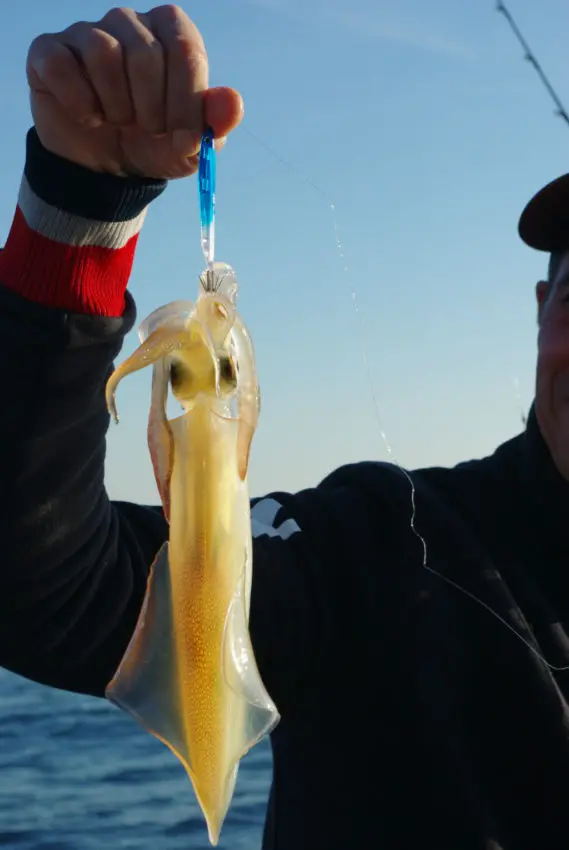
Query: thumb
[{"x": 223, "y": 110}]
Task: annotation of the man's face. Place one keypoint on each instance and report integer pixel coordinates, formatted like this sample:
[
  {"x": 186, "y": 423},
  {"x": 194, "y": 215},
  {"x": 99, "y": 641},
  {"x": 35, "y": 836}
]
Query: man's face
[{"x": 552, "y": 375}]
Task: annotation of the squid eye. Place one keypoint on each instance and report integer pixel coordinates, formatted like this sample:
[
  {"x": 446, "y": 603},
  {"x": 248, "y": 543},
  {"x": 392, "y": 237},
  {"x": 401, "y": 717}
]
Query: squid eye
[
  {"x": 175, "y": 376},
  {"x": 227, "y": 371},
  {"x": 180, "y": 376}
]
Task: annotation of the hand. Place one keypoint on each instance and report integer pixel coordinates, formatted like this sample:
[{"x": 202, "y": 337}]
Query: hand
[{"x": 128, "y": 95}]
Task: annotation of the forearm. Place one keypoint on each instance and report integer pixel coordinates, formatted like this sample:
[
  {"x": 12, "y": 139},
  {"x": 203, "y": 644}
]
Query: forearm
[{"x": 74, "y": 566}]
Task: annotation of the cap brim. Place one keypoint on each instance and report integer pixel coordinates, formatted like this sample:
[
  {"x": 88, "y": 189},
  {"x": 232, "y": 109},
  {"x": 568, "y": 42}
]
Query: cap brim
[{"x": 544, "y": 223}]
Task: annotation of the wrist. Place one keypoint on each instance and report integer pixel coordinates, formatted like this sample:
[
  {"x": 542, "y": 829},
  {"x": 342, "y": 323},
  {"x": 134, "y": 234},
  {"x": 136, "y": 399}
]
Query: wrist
[{"x": 80, "y": 191}]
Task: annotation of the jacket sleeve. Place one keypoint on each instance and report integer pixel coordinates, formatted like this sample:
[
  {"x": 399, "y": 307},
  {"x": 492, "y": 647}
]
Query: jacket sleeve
[{"x": 74, "y": 564}]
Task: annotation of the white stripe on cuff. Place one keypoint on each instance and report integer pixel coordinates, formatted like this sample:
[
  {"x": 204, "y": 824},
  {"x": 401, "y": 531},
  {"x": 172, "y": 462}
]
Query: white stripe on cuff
[{"x": 74, "y": 230}]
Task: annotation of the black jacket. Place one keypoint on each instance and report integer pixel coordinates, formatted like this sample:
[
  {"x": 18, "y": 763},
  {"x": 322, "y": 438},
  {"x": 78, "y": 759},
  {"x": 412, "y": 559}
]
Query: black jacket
[{"x": 417, "y": 712}]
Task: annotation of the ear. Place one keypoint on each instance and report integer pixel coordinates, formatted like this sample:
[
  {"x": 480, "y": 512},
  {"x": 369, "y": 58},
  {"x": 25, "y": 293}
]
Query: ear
[{"x": 542, "y": 291}]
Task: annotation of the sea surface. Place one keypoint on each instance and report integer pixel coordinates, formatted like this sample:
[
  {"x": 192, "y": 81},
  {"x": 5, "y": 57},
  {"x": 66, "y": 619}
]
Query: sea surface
[{"x": 78, "y": 774}]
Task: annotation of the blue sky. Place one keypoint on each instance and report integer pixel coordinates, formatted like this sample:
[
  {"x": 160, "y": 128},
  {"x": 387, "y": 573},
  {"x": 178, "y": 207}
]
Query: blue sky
[{"x": 423, "y": 125}]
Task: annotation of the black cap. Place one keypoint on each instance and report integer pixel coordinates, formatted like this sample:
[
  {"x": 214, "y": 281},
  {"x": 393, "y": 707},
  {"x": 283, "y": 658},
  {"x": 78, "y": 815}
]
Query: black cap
[{"x": 544, "y": 223}]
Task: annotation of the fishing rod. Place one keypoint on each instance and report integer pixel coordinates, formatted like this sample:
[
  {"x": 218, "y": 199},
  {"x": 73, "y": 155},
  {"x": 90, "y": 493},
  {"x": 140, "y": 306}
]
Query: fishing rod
[{"x": 560, "y": 110}]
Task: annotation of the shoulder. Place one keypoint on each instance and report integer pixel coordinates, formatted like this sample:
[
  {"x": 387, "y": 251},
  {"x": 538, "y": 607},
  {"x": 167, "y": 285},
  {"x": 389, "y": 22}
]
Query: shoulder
[
  {"x": 468, "y": 488},
  {"x": 337, "y": 499},
  {"x": 360, "y": 499}
]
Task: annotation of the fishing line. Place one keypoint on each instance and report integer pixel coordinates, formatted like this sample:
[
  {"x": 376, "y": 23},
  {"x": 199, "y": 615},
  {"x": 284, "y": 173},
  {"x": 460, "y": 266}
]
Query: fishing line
[
  {"x": 367, "y": 367},
  {"x": 355, "y": 304}
]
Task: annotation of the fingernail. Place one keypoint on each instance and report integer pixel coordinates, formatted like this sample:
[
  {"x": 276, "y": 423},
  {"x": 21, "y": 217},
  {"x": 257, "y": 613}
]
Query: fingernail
[
  {"x": 186, "y": 142},
  {"x": 93, "y": 121},
  {"x": 219, "y": 143}
]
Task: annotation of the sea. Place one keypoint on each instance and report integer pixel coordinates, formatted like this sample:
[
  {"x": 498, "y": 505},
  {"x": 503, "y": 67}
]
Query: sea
[{"x": 78, "y": 774}]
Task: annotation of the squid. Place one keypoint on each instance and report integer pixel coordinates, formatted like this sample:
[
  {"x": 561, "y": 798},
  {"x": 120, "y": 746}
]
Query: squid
[{"x": 189, "y": 674}]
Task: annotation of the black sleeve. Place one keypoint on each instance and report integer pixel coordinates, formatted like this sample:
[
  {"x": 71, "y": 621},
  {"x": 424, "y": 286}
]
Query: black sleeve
[{"x": 74, "y": 567}]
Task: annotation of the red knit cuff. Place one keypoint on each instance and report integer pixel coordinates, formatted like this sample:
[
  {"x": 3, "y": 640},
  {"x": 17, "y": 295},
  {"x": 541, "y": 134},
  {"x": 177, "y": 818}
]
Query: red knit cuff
[{"x": 84, "y": 278}]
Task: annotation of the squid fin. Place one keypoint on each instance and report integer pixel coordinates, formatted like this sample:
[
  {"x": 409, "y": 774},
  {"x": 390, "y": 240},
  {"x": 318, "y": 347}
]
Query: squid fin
[{"x": 145, "y": 682}]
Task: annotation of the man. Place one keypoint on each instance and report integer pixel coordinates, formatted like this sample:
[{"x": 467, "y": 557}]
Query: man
[{"x": 421, "y": 707}]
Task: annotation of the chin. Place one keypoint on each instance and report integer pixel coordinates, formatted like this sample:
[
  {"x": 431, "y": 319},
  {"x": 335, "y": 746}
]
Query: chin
[
  {"x": 558, "y": 441},
  {"x": 554, "y": 426}
]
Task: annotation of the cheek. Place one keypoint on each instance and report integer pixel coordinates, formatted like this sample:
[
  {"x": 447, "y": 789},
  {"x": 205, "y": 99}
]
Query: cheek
[
  {"x": 553, "y": 339},
  {"x": 553, "y": 357}
]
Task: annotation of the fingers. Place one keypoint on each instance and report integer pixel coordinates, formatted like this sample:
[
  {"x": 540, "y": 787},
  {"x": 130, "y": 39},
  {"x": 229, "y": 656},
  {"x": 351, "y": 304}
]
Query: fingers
[
  {"x": 100, "y": 55},
  {"x": 187, "y": 66},
  {"x": 131, "y": 69},
  {"x": 53, "y": 69},
  {"x": 125, "y": 66},
  {"x": 144, "y": 67}
]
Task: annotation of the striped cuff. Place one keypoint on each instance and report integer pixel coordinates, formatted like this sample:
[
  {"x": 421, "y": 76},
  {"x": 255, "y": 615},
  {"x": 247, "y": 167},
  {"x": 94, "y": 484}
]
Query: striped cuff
[{"x": 74, "y": 234}]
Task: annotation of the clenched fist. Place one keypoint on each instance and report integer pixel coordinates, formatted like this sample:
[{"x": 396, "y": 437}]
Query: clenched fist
[{"x": 128, "y": 95}]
